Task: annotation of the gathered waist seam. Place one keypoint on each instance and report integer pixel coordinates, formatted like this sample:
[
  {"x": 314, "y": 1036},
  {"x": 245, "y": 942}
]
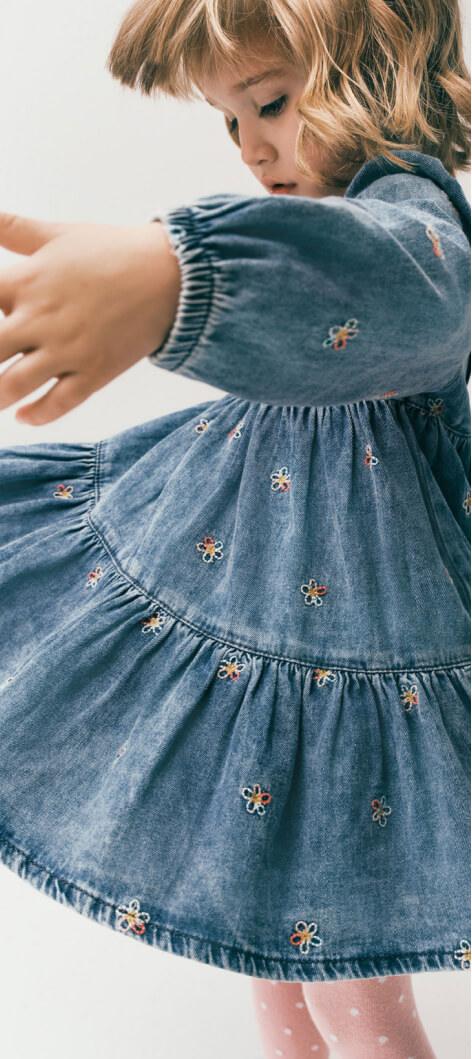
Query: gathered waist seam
[{"x": 463, "y": 662}]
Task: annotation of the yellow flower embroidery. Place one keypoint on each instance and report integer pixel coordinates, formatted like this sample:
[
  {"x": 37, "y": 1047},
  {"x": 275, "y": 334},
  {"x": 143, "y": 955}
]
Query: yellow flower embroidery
[
  {"x": 211, "y": 549},
  {"x": 231, "y": 668},
  {"x": 131, "y": 918},
  {"x": 463, "y": 954},
  {"x": 256, "y": 799},
  {"x": 281, "y": 480},
  {"x": 305, "y": 936},
  {"x": 202, "y": 426}
]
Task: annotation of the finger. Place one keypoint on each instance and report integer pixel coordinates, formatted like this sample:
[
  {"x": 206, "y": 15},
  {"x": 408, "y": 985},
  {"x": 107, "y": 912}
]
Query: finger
[
  {"x": 61, "y": 398},
  {"x": 23, "y": 377},
  {"x": 16, "y": 335},
  {"x": 25, "y": 235}
]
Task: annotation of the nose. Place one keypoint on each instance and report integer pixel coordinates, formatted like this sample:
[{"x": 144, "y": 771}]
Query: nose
[{"x": 255, "y": 150}]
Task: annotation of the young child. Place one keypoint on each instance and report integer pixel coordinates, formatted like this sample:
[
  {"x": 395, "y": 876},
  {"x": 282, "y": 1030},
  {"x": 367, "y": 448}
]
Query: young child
[{"x": 235, "y": 657}]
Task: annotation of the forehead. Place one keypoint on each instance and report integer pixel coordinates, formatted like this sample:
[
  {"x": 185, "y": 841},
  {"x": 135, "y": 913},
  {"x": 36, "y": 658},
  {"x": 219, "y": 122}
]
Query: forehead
[{"x": 235, "y": 82}]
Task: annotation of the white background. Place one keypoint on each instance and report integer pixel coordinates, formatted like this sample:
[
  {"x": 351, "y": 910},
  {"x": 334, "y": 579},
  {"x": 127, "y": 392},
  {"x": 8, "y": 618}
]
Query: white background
[{"x": 77, "y": 146}]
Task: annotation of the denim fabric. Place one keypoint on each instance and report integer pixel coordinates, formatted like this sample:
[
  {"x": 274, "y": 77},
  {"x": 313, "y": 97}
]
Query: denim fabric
[{"x": 235, "y": 655}]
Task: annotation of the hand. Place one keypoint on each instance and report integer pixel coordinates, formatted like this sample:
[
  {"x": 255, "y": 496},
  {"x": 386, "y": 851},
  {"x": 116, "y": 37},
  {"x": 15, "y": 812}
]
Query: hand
[{"x": 87, "y": 303}]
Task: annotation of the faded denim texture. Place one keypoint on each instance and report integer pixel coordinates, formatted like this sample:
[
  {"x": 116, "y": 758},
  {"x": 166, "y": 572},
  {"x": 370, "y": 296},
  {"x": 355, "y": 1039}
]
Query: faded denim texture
[{"x": 235, "y": 649}]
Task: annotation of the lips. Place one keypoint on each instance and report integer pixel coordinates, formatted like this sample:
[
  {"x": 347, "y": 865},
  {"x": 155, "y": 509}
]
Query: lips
[{"x": 281, "y": 189}]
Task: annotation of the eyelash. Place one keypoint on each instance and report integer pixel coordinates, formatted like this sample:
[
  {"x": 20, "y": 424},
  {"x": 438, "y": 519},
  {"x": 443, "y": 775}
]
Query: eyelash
[{"x": 278, "y": 104}]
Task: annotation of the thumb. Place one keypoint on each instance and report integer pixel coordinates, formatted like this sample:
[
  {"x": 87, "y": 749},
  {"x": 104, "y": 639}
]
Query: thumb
[{"x": 25, "y": 235}]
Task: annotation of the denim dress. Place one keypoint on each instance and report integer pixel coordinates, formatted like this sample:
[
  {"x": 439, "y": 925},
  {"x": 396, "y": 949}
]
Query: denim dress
[{"x": 235, "y": 647}]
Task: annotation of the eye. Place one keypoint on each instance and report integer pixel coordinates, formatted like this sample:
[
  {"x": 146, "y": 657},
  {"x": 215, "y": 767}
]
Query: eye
[{"x": 270, "y": 110}]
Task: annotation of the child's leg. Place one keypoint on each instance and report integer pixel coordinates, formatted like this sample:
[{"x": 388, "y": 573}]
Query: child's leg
[
  {"x": 369, "y": 1018},
  {"x": 285, "y": 1026}
]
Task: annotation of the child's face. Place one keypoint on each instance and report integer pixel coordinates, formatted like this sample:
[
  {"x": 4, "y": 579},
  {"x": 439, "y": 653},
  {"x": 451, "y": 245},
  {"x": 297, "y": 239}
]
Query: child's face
[{"x": 267, "y": 123}]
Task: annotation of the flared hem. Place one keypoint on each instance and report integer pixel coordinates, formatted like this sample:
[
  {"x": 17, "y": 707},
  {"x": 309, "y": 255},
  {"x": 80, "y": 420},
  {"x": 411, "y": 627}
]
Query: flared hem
[{"x": 214, "y": 953}]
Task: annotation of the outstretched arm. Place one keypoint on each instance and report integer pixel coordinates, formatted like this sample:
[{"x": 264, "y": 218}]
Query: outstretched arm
[{"x": 291, "y": 300}]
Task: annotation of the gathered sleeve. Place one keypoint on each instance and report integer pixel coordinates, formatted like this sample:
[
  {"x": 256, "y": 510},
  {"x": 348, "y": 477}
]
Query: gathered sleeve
[{"x": 299, "y": 301}]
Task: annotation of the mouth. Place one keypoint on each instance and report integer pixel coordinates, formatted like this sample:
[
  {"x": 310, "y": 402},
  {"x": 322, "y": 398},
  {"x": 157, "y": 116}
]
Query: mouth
[{"x": 281, "y": 189}]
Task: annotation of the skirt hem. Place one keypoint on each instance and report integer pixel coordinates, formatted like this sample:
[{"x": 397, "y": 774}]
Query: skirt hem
[{"x": 215, "y": 954}]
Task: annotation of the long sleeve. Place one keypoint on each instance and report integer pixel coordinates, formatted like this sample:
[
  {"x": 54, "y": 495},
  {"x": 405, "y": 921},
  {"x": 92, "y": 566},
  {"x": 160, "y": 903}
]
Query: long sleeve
[{"x": 299, "y": 301}]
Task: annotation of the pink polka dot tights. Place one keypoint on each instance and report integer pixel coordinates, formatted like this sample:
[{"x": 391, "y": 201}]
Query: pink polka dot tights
[{"x": 368, "y": 1018}]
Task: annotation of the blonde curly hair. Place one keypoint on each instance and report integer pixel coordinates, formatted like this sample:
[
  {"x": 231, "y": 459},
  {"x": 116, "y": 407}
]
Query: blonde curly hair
[{"x": 379, "y": 74}]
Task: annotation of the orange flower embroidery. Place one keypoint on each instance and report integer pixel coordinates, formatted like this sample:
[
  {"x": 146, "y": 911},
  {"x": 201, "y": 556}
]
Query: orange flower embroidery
[
  {"x": 131, "y": 918},
  {"x": 281, "y": 480},
  {"x": 305, "y": 935},
  {"x": 256, "y": 799},
  {"x": 434, "y": 237},
  {"x": 369, "y": 459},
  {"x": 409, "y": 696},
  {"x": 93, "y": 577},
  {"x": 381, "y": 810},
  {"x": 322, "y": 676},
  {"x": 154, "y": 623},
  {"x": 211, "y": 549},
  {"x": 340, "y": 333},
  {"x": 313, "y": 591},
  {"x": 64, "y": 492}
]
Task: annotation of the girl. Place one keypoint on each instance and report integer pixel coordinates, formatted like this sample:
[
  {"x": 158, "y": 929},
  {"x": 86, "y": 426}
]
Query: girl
[{"x": 235, "y": 693}]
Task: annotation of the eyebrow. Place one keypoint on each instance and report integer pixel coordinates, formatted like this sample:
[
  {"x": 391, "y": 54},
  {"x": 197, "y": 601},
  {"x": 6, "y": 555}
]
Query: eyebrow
[{"x": 254, "y": 80}]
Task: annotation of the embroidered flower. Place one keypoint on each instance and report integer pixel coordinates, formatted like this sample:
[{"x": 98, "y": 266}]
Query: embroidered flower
[
  {"x": 409, "y": 696},
  {"x": 389, "y": 393},
  {"x": 131, "y": 918},
  {"x": 312, "y": 592},
  {"x": 154, "y": 623},
  {"x": 322, "y": 676},
  {"x": 122, "y": 750},
  {"x": 463, "y": 954},
  {"x": 93, "y": 577},
  {"x": 64, "y": 492},
  {"x": 202, "y": 426},
  {"x": 211, "y": 549},
  {"x": 305, "y": 935},
  {"x": 256, "y": 799},
  {"x": 340, "y": 333},
  {"x": 235, "y": 432},
  {"x": 381, "y": 810},
  {"x": 281, "y": 480},
  {"x": 369, "y": 459},
  {"x": 230, "y": 668},
  {"x": 466, "y": 504},
  {"x": 436, "y": 406},
  {"x": 433, "y": 235}
]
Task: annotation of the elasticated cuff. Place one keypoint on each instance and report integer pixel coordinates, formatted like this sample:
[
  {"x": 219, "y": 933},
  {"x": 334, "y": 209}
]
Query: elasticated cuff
[{"x": 197, "y": 272}]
